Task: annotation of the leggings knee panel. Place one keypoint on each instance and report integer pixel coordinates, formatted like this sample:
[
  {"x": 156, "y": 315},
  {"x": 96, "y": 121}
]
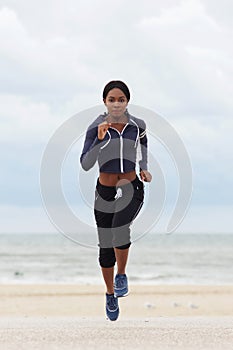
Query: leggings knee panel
[
  {"x": 107, "y": 257},
  {"x": 125, "y": 246}
]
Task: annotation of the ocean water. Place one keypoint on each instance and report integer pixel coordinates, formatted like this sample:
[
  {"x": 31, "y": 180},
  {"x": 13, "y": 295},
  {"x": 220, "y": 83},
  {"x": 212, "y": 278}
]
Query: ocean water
[{"x": 154, "y": 259}]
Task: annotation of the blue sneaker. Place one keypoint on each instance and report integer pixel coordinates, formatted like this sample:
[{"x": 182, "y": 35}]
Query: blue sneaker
[
  {"x": 112, "y": 308},
  {"x": 121, "y": 286}
]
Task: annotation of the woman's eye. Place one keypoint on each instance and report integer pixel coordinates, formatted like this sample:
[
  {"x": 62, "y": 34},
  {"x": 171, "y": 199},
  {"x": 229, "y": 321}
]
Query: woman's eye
[{"x": 121, "y": 100}]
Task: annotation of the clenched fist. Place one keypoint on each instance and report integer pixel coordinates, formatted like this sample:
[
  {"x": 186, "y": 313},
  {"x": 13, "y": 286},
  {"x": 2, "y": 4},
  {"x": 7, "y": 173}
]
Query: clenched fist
[
  {"x": 145, "y": 176},
  {"x": 102, "y": 129}
]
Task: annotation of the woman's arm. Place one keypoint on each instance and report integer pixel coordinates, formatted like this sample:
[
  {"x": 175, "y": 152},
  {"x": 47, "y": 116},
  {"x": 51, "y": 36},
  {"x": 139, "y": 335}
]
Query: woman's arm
[
  {"x": 91, "y": 148},
  {"x": 144, "y": 173},
  {"x": 143, "y": 145},
  {"x": 92, "y": 144}
]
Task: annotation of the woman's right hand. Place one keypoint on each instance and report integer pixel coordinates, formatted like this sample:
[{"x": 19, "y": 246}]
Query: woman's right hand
[{"x": 102, "y": 129}]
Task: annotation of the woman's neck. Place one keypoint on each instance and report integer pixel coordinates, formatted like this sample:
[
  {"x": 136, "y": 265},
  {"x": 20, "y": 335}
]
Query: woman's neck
[{"x": 120, "y": 120}]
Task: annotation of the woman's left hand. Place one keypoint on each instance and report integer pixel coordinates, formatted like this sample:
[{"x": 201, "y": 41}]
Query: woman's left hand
[{"x": 145, "y": 176}]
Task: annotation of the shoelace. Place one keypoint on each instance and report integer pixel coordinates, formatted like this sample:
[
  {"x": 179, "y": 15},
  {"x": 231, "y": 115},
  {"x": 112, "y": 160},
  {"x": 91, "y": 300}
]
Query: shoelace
[
  {"x": 120, "y": 281},
  {"x": 112, "y": 302}
]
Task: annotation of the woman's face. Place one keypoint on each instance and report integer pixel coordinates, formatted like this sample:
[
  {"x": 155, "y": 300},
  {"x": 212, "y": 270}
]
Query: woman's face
[{"x": 116, "y": 103}]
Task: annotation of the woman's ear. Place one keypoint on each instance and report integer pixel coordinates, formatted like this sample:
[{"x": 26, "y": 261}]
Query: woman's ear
[{"x": 104, "y": 99}]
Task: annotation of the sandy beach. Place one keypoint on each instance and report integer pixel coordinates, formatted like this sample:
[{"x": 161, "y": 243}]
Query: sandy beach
[{"x": 73, "y": 317}]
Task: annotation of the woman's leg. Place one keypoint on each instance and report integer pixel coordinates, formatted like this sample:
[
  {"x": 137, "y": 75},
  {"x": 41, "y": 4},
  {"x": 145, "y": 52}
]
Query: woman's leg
[
  {"x": 121, "y": 281},
  {"x": 104, "y": 211},
  {"x": 122, "y": 220},
  {"x": 108, "y": 275},
  {"x": 107, "y": 261},
  {"x": 121, "y": 258}
]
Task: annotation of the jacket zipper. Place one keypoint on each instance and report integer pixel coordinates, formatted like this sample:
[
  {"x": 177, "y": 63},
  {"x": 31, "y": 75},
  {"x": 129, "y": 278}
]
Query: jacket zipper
[
  {"x": 121, "y": 146},
  {"x": 121, "y": 153}
]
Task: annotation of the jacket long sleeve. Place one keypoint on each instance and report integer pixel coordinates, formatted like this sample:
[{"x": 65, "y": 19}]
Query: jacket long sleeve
[
  {"x": 91, "y": 149},
  {"x": 144, "y": 149}
]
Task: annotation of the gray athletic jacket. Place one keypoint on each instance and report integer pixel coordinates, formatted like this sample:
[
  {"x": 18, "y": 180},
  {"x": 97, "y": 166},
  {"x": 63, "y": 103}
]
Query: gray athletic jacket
[{"x": 117, "y": 152}]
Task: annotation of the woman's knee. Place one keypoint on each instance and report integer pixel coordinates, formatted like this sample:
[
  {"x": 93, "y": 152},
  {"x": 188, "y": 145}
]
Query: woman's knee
[
  {"x": 107, "y": 257},
  {"x": 125, "y": 246}
]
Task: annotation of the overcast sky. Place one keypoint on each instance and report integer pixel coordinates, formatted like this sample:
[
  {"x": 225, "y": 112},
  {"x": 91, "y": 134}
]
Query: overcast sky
[{"x": 175, "y": 56}]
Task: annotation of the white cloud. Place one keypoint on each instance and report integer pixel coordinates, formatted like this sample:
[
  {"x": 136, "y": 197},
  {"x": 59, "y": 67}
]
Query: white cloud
[
  {"x": 55, "y": 65},
  {"x": 222, "y": 12},
  {"x": 23, "y": 120},
  {"x": 179, "y": 52},
  {"x": 176, "y": 57},
  {"x": 193, "y": 55},
  {"x": 207, "y": 140}
]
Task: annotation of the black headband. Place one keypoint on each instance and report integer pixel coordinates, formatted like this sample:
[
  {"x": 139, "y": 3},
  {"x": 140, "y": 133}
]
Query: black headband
[{"x": 116, "y": 84}]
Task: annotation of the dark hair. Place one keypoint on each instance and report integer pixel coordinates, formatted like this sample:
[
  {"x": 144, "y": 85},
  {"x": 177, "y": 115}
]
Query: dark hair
[{"x": 116, "y": 84}]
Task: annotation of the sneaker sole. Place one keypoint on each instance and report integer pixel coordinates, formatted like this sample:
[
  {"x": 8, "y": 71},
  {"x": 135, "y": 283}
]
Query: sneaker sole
[
  {"x": 121, "y": 296},
  {"x": 109, "y": 319}
]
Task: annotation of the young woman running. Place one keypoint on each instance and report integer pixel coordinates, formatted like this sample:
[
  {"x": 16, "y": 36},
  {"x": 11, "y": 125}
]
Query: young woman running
[{"x": 112, "y": 140}]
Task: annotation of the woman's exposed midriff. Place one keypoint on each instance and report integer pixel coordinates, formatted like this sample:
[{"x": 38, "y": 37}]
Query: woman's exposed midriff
[{"x": 111, "y": 179}]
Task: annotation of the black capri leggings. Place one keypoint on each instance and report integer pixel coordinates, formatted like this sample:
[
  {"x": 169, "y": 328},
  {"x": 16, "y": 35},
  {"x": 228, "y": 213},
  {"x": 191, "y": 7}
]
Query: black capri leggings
[{"x": 115, "y": 208}]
